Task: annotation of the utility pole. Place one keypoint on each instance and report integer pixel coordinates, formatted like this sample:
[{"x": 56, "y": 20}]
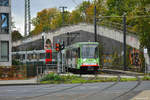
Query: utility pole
[
  {"x": 95, "y": 24},
  {"x": 29, "y": 18},
  {"x": 63, "y": 12},
  {"x": 124, "y": 41},
  {"x": 27, "y": 23},
  {"x": 68, "y": 39}
]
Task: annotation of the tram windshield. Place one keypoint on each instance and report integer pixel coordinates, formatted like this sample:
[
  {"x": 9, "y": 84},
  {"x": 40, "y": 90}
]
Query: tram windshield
[{"x": 90, "y": 51}]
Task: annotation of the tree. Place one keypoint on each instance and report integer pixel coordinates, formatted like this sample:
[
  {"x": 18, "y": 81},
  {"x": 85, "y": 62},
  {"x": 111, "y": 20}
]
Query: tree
[
  {"x": 44, "y": 20},
  {"x": 16, "y": 35},
  {"x": 75, "y": 17}
]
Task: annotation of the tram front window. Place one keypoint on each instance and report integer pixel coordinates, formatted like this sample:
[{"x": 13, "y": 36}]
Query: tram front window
[{"x": 90, "y": 51}]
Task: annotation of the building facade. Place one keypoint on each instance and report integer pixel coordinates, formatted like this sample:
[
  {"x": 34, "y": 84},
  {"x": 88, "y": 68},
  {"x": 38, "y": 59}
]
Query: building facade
[{"x": 5, "y": 33}]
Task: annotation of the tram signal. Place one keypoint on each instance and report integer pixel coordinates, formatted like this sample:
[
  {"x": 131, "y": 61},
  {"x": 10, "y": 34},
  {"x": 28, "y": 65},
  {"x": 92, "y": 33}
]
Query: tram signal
[
  {"x": 57, "y": 47},
  {"x": 63, "y": 46}
]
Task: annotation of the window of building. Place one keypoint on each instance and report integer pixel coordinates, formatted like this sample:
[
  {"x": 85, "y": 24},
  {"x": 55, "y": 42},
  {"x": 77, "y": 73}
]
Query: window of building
[
  {"x": 4, "y": 2},
  {"x": 4, "y": 51},
  {"x": 4, "y": 23}
]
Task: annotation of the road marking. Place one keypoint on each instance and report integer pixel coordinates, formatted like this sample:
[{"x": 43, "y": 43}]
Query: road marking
[{"x": 11, "y": 90}]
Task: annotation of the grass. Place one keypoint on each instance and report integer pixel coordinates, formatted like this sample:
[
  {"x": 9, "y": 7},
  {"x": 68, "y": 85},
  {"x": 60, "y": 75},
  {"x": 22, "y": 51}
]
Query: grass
[
  {"x": 146, "y": 78},
  {"x": 71, "y": 79}
]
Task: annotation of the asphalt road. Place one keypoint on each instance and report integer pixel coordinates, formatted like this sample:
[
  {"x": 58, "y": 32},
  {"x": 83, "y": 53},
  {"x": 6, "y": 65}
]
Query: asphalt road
[{"x": 90, "y": 91}]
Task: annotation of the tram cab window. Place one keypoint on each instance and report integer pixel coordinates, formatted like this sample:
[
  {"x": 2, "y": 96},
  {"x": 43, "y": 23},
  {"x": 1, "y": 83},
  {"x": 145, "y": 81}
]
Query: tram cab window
[{"x": 89, "y": 51}]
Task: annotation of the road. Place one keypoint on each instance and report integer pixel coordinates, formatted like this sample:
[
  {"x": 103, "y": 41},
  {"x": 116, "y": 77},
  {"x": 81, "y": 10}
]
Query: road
[{"x": 90, "y": 91}]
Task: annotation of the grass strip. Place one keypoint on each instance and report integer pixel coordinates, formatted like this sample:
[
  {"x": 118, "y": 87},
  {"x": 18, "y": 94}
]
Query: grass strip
[{"x": 71, "y": 79}]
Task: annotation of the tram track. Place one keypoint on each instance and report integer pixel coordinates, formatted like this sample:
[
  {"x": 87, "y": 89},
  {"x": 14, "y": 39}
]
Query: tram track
[
  {"x": 100, "y": 91},
  {"x": 129, "y": 91},
  {"x": 106, "y": 88},
  {"x": 53, "y": 92},
  {"x": 119, "y": 97}
]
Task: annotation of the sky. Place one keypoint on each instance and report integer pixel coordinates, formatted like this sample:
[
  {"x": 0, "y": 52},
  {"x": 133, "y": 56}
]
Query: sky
[{"x": 36, "y": 6}]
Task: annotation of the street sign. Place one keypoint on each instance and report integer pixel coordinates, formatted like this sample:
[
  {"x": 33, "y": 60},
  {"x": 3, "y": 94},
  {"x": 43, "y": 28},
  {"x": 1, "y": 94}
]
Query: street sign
[{"x": 145, "y": 50}]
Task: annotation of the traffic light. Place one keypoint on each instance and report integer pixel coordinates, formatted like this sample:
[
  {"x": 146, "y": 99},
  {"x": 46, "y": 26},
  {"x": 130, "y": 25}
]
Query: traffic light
[
  {"x": 57, "y": 47},
  {"x": 62, "y": 45}
]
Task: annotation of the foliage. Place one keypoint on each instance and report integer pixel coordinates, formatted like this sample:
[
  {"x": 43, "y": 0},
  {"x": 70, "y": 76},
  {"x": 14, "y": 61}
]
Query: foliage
[
  {"x": 16, "y": 35},
  {"x": 75, "y": 17},
  {"x": 57, "y": 79},
  {"x": 145, "y": 78},
  {"x": 14, "y": 62},
  {"x": 44, "y": 20}
]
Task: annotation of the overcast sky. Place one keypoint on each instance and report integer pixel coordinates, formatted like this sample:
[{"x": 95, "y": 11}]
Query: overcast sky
[{"x": 36, "y": 6}]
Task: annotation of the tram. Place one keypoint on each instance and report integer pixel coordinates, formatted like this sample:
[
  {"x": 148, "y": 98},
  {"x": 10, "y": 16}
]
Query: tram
[
  {"x": 40, "y": 56},
  {"x": 81, "y": 56}
]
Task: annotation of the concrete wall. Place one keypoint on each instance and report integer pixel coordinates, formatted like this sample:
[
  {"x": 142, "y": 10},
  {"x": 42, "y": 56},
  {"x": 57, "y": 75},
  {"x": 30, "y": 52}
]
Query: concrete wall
[
  {"x": 109, "y": 45},
  {"x": 132, "y": 40}
]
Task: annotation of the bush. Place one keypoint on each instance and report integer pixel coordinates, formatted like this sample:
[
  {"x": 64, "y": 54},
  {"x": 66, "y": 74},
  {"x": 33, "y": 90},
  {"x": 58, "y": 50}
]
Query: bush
[
  {"x": 145, "y": 78},
  {"x": 53, "y": 77},
  {"x": 56, "y": 77}
]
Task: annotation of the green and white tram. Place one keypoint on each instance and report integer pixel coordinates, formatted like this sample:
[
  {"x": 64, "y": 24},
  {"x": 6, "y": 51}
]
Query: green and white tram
[{"x": 81, "y": 56}]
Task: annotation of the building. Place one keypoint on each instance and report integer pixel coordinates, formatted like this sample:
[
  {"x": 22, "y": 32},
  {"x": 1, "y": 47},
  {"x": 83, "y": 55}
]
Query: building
[{"x": 5, "y": 33}]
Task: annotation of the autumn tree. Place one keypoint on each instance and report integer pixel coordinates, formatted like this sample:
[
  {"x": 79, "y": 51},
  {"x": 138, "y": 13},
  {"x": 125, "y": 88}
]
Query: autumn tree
[
  {"x": 44, "y": 20},
  {"x": 16, "y": 35}
]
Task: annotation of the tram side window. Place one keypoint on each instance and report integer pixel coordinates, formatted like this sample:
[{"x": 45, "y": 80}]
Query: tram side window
[{"x": 96, "y": 52}]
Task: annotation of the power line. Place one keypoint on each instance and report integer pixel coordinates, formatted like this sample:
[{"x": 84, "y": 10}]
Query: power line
[
  {"x": 74, "y": 2},
  {"x": 142, "y": 16}
]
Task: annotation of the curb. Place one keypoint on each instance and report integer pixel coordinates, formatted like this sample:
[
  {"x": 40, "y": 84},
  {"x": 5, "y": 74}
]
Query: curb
[
  {"x": 20, "y": 84},
  {"x": 122, "y": 72}
]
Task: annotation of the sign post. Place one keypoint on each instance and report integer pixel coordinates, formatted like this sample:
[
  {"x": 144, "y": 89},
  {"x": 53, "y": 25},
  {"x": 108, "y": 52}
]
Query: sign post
[
  {"x": 147, "y": 61},
  {"x": 58, "y": 62}
]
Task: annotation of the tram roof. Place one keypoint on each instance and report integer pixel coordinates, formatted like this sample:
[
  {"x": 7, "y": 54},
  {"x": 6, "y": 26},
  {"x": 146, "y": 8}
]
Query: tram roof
[{"x": 78, "y": 44}]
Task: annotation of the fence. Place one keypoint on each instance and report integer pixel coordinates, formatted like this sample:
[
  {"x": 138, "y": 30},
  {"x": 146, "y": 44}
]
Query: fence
[{"x": 14, "y": 72}]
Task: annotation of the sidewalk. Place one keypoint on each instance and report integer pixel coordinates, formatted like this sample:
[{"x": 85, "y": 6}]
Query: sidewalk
[
  {"x": 144, "y": 95},
  {"x": 18, "y": 82}
]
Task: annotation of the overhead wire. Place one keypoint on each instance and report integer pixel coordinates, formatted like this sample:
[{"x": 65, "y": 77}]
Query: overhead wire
[{"x": 74, "y": 2}]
